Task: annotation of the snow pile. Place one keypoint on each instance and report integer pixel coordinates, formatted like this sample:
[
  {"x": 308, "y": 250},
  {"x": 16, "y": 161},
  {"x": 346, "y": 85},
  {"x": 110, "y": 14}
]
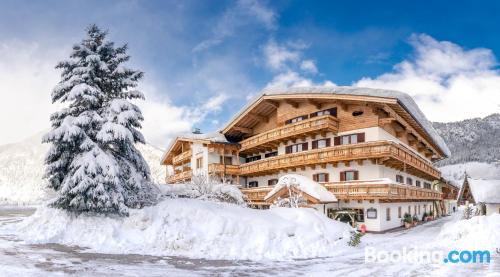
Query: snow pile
[
  {"x": 486, "y": 191},
  {"x": 479, "y": 232},
  {"x": 22, "y": 169},
  {"x": 304, "y": 184},
  {"x": 211, "y": 191},
  {"x": 196, "y": 229}
]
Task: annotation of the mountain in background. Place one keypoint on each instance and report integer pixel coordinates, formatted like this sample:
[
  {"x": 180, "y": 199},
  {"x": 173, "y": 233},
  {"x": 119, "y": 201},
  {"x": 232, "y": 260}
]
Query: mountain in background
[
  {"x": 471, "y": 140},
  {"x": 22, "y": 168}
]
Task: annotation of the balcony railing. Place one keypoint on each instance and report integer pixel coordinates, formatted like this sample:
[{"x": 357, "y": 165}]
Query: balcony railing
[
  {"x": 325, "y": 123},
  {"x": 360, "y": 190},
  {"x": 342, "y": 153},
  {"x": 179, "y": 177},
  {"x": 186, "y": 155},
  {"x": 357, "y": 190},
  {"x": 227, "y": 169}
]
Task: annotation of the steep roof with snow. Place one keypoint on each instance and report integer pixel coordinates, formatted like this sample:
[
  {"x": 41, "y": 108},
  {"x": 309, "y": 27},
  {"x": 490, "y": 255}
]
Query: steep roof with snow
[
  {"x": 403, "y": 99},
  {"x": 304, "y": 184},
  {"x": 485, "y": 191}
]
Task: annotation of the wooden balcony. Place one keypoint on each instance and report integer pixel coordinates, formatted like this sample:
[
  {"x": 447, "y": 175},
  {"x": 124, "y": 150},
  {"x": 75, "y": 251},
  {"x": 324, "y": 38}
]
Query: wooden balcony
[
  {"x": 227, "y": 169},
  {"x": 179, "y": 177},
  {"x": 256, "y": 196},
  {"x": 184, "y": 156},
  {"x": 381, "y": 152},
  {"x": 359, "y": 190},
  {"x": 325, "y": 123}
]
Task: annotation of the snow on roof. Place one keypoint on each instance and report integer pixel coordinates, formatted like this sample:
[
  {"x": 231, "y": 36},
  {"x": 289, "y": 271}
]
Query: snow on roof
[
  {"x": 486, "y": 191},
  {"x": 404, "y": 100},
  {"x": 304, "y": 184},
  {"x": 216, "y": 137}
]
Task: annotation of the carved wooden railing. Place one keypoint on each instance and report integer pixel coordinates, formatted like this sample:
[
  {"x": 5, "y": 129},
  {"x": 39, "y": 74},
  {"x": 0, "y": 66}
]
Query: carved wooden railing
[
  {"x": 342, "y": 153},
  {"x": 325, "y": 123},
  {"x": 178, "y": 177},
  {"x": 224, "y": 168},
  {"x": 186, "y": 155}
]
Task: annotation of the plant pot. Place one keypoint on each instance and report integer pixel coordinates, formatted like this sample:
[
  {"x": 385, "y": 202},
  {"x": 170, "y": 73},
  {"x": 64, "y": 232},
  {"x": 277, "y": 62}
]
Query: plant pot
[
  {"x": 415, "y": 223},
  {"x": 408, "y": 225}
]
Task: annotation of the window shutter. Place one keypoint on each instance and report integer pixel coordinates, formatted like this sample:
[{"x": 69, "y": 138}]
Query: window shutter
[
  {"x": 336, "y": 141},
  {"x": 356, "y": 175},
  {"x": 304, "y": 146},
  {"x": 361, "y": 137},
  {"x": 315, "y": 144},
  {"x": 313, "y": 115},
  {"x": 327, "y": 179},
  {"x": 315, "y": 177},
  {"x": 288, "y": 121},
  {"x": 288, "y": 149},
  {"x": 342, "y": 176},
  {"x": 328, "y": 142}
]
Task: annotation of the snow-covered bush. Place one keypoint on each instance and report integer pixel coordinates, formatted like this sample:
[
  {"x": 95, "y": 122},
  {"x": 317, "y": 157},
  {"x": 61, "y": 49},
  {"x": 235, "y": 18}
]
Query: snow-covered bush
[
  {"x": 93, "y": 163},
  {"x": 205, "y": 187},
  {"x": 295, "y": 198}
]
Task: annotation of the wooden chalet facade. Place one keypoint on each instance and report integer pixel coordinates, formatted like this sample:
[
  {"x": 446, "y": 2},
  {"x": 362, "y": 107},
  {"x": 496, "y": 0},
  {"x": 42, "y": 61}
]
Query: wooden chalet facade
[{"x": 373, "y": 149}]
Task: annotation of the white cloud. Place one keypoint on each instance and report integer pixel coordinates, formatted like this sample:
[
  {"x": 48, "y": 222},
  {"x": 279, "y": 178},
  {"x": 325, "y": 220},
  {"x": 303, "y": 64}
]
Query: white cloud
[
  {"x": 449, "y": 83},
  {"x": 309, "y": 66},
  {"x": 242, "y": 13},
  {"x": 278, "y": 56},
  {"x": 27, "y": 76},
  {"x": 294, "y": 79}
]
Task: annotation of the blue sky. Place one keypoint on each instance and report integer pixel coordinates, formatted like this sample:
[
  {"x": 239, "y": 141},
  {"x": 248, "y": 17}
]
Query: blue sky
[{"x": 204, "y": 59}]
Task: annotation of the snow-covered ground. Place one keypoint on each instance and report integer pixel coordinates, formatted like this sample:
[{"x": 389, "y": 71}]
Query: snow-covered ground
[
  {"x": 19, "y": 258},
  {"x": 196, "y": 229},
  {"x": 22, "y": 168}
]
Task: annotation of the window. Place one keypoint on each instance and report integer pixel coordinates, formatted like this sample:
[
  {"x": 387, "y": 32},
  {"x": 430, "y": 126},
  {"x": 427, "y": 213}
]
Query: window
[
  {"x": 296, "y": 119},
  {"x": 399, "y": 212},
  {"x": 296, "y": 148},
  {"x": 272, "y": 182},
  {"x": 226, "y": 160},
  {"x": 409, "y": 181},
  {"x": 320, "y": 143},
  {"x": 199, "y": 163},
  {"x": 357, "y": 113},
  {"x": 418, "y": 209},
  {"x": 271, "y": 154},
  {"x": 415, "y": 210},
  {"x": 425, "y": 208},
  {"x": 252, "y": 159},
  {"x": 360, "y": 215},
  {"x": 332, "y": 112},
  {"x": 349, "y": 139},
  {"x": 320, "y": 177},
  {"x": 388, "y": 214},
  {"x": 409, "y": 209},
  {"x": 427, "y": 185},
  {"x": 417, "y": 183},
  {"x": 253, "y": 184},
  {"x": 400, "y": 179},
  {"x": 350, "y": 175}
]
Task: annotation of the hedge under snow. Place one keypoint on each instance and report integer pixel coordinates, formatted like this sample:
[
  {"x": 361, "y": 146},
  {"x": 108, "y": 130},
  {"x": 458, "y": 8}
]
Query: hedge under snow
[{"x": 195, "y": 229}]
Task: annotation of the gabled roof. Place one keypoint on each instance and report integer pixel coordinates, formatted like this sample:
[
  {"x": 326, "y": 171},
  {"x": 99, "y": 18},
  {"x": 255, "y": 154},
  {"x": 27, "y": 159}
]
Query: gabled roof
[
  {"x": 313, "y": 191},
  {"x": 485, "y": 191},
  {"x": 215, "y": 137},
  {"x": 375, "y": 95}
]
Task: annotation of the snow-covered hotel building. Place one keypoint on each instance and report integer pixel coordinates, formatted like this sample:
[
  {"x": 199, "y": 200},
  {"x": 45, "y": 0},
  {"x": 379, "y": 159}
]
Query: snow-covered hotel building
[{"x": 373, "y": 149}]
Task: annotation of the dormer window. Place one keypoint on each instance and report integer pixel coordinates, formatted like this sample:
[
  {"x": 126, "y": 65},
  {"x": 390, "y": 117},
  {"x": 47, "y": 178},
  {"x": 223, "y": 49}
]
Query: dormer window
[
  {"x": 296, "y": 119},
  {"x": 332, "y": 112}
]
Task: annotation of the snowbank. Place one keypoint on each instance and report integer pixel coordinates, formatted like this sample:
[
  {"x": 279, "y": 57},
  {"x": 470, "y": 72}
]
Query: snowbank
[
  {"x": 196, "y": 229},
  {"x": 479, "y": 232},
  {"x": 304, "y": 184}
]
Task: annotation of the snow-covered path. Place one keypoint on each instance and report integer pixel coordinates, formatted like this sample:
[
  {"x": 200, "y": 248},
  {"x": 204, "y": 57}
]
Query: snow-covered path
[{"x": 19, "y": 259}]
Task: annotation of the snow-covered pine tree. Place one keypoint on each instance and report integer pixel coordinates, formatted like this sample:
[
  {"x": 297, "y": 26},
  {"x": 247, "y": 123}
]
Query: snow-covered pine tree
[{"x": 93, "y": 163}]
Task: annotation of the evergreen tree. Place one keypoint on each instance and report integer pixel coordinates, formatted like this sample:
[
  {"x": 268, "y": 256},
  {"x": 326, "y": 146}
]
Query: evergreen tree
[{"x": 93, "y": 163}]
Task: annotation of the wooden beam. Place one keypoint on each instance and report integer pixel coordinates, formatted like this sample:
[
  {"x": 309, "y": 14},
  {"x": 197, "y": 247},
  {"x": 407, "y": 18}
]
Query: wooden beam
[
  {"x": 360, "y": 162},
  {"x": 344, "y": 107},
  {"x": 386, "y": 121},
  {"x": 259, "y": 117},
  {"x": 314, "y": 103},
  {"x": 292, "y": 103},
  {"x": 243, "y": 130},
  {"x": 274, "y": 104}
]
